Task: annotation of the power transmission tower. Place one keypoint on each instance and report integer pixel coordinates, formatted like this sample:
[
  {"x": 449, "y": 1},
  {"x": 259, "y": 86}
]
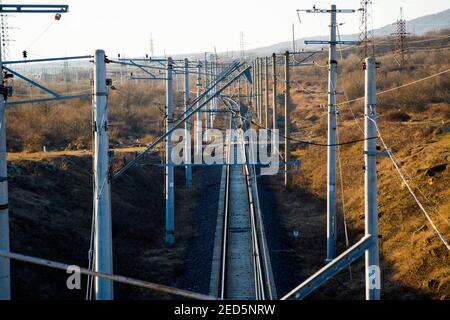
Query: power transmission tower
[
  {"x": 401, "y": 46},
  {"x": 366, "y": 36}
]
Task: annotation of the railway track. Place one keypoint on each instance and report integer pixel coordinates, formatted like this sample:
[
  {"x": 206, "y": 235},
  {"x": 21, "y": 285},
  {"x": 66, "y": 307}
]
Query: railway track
[{"x": 243, "y": 270}]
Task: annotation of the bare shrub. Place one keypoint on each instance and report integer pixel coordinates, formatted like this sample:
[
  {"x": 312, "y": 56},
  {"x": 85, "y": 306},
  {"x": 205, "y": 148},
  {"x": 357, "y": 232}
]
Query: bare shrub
[{"x": 396, "y": 116}]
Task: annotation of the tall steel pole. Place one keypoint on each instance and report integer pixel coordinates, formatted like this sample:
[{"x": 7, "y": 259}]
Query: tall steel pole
[
  {"x": 274, "y": 91},
  {"x": 287, "y": 121},
  {"x": 198, "y": 131},
  {"x": 5, "y": 276},
  {"x": 266, "y": 78},
  {"x": 169, "y": 183},
  {"x": 370, "y": 190},
  {"x": 331, "y": 158},
  {"x": 102, "y": 183},
  {"x": 187, "y": 125}
]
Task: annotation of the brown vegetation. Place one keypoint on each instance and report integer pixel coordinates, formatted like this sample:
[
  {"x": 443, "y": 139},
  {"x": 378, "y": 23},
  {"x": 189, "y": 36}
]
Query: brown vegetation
[{"x": 415, "y": 124}]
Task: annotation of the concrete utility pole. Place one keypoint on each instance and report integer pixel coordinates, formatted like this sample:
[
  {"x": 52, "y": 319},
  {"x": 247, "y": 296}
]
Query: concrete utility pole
[
  {"x": 5, "y": 269},
  {"x": 260, "y": 90},
  {"x": 5, "y": 277},
  {"x": 331, "y": 158},
  {"x": 213, "y": 102},
  {"x": 254, "y": 99},
  {"x": 266, "y": 78},
  {"x": 239, "y": 90},
  {"x": 331, "y": 166},
  {"x": 247, "y": 92},
  {"x": 370, "y": 190},
  {"x": 198, "y": 132},
  {"x": 217, "y": 101},
  {"x": 187, "y": 125},
  {"x": 274, "y": 93},
  {"x": 287, "y": 121},
  {"x": 103, "y": 261},
  {"x": 170, "y": 219},
  {"x": 207, "y": 107},
  {"x": 257, "y": 87}
]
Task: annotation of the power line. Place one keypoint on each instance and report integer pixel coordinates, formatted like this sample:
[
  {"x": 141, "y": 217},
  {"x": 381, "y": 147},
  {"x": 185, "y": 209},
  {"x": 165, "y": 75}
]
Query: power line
[
  {"x": 391, "y": 156},
  {"x": 109, "y": 276},
  {"x": 341, "y": 178},
  {"x": 399, "y": 87},
  {"x": 314, "y": 143}
]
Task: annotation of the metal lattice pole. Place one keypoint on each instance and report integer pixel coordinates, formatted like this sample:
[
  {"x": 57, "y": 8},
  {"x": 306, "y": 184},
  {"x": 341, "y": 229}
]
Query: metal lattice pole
[
  {"x": 401, "y": 46},
  {"x": 366, "y": 36}
]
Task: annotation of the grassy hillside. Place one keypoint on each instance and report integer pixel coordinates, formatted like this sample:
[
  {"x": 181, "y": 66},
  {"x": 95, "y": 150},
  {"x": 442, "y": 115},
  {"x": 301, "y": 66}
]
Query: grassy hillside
[{"x": 415, "y": 122}]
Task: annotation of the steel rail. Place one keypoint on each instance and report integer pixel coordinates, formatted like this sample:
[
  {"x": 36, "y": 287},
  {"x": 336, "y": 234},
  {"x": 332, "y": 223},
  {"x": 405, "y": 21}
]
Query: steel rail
[
  {"x": 223, "y": 257},
  {"x": 260, "y": 271}
]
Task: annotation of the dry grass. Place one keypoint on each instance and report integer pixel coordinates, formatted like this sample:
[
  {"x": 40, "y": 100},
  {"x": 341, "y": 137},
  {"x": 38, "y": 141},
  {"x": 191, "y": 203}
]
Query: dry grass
[
  {"x": 135, "y": 113},
  {"x": 413, "y": 259}
]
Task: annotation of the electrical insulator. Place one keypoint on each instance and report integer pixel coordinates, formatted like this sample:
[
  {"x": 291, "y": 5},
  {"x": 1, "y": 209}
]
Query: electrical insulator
[
  {"x": 58, "y": 16},
  {"x": 25, "y": 54}
]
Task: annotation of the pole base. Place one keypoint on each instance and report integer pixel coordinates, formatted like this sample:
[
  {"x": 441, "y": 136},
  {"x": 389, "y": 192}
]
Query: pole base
[{"x": 170, "y": 239}]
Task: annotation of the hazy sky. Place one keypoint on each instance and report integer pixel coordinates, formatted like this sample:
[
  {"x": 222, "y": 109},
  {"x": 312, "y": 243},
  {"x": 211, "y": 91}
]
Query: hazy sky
[{"x": 185, "y": 26}]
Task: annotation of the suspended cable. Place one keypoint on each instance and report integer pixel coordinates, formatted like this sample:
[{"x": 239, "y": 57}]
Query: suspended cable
[
  {"x": 391, "y": 156},
  {"x": 344, "y": 214},
  {"x": 399, "y": 87}
]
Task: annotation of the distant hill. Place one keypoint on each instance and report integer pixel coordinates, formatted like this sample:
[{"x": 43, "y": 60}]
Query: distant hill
[
  {"x": 421, "y": 25},
  {"x": 418, "y": 27}
]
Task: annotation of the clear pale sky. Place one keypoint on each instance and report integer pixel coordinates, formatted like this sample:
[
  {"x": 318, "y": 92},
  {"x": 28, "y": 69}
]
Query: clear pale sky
[{"x": 183, "y": 26}]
